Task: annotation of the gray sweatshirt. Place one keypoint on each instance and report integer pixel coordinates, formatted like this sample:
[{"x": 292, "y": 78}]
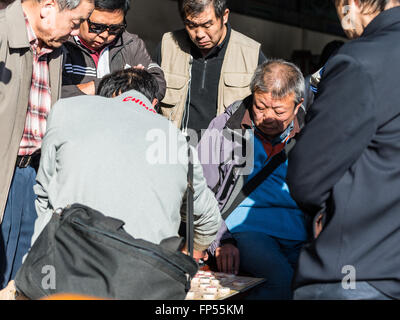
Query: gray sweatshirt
[{"x": 119, "y": 157}]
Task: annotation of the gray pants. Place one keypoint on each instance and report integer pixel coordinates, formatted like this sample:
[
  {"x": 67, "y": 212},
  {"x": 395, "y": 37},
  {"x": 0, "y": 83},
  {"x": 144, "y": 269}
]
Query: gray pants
[{"x": 334, "y": 291}]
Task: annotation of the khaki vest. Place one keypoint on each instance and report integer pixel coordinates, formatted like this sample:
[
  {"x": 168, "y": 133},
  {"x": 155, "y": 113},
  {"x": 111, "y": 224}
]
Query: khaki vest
[{"x": 240, "y": 62}]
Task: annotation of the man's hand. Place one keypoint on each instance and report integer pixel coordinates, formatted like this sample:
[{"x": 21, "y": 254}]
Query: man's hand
[
  {"x": 197, "y": 255},
  {"x": 87, "y": 88},
  {"x": 139, "y": 66},
  {"x": 8, "y": 293},
  {"x": 318, "y": 225},
  {"x": 228, "y": 260}
]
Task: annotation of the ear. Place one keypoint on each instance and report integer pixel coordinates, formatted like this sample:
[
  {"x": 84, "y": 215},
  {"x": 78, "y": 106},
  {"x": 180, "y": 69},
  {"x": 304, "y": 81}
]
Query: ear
[
  {"x": 296, "y": 109},
  {"x": 225, "y": 17},
  {"x": 47, "y": 7},
  {"x": 155, "y": 101}
]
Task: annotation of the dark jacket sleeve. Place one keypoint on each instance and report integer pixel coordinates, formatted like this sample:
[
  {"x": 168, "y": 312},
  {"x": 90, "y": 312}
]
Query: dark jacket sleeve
[
  {"x": 339, "y": 126},
  {"x": 143, "y": 57},
  {"x": 212, "y": 172}
]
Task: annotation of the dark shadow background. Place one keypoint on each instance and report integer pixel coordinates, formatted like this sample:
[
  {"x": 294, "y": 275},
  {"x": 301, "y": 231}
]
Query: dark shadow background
[{"x": 295, "y": 30}]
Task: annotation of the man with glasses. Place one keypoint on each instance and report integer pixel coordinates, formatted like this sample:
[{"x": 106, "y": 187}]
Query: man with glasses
[{"x": 102, "y": 47}]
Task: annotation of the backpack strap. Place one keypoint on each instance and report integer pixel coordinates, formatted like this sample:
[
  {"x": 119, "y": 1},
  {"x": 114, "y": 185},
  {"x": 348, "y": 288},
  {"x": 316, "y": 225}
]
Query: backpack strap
[
  {"x": 189, "y": 204},
  {"x": 251, "y": 185}
]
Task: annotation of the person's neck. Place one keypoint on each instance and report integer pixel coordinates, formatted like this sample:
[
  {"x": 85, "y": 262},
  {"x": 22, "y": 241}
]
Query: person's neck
[
  {"x": 30, "y": 12},
  {"x": 366, "y": 19}
]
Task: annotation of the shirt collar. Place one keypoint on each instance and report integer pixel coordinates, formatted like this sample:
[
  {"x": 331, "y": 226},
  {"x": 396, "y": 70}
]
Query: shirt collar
[
  {"x": 82, "y": 43},
  {"x": 33, "y": 40}
]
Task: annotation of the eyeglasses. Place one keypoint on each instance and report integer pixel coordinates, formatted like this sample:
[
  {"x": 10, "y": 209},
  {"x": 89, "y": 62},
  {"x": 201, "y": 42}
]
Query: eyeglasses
[{"x": 113, "y": 29}]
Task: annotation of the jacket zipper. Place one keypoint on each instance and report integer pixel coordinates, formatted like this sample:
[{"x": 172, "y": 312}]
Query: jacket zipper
[{"x": 203, "y": 82}]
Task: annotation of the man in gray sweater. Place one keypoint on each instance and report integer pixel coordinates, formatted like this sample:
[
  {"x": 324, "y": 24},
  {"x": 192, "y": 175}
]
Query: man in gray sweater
[{"x": 118, "y": 156}]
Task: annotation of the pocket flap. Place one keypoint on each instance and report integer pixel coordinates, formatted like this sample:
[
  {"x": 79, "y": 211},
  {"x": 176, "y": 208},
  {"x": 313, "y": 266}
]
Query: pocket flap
[
  {"x": 175, "y": 81},
  {"x": 237, "y": 80}
]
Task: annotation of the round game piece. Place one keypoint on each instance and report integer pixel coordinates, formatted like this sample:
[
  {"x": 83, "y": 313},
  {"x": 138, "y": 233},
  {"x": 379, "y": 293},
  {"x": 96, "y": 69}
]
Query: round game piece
[
  {"x": 190, "y": 295},
  {"x": 205, "y": 280},
  {"x": 238, "y": 283},
  {"x": 200, "y": 273},
  {"x": 224, "y": 290},
  {"x": 195, "y": 281},
  {"x": 215, "y": 282},
  {"x": 229, "y": 275},
  {"x": 212, "y": 289},
  {"x": 204, "y": 285},
  {"x": 207, "y": 273},
  {"x": 209, "y": 296}
]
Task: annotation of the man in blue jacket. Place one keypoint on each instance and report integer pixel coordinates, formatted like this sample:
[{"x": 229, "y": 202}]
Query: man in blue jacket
[{"x": 344, "y": 170}]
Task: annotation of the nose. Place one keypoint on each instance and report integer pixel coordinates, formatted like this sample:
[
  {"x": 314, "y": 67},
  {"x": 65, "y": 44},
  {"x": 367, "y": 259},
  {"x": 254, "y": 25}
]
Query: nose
[
  {"x": 104, "y": 35},
  {"x": 200, "y": 34}
]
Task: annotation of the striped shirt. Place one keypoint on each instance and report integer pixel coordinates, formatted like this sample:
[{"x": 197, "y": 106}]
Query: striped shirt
[{"x": 39, "y": 103}]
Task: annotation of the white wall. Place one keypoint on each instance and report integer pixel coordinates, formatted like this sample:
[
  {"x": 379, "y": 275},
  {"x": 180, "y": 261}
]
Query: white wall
[{"x": 150, "y": 19}]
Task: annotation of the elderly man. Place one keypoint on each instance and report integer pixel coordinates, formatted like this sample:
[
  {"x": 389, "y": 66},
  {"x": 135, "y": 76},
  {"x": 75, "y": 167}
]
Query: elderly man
[
  {"x": 264, "y": 229},
  {"x": 102, "y": 47},
  {"x": 207, "y": 65},
  {"x": 344, "y": 171},
  {"x": 31, "y": 34}
]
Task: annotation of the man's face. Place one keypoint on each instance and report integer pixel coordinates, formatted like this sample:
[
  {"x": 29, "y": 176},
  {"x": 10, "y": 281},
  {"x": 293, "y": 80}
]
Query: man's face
[
  {"x": 272, "y": 116},
  {"x": 100, "y": 19},
  {"x": 350, "y": 16},
  {"x": 55, "y": 26},
  {"x": 206, "y": 30}
]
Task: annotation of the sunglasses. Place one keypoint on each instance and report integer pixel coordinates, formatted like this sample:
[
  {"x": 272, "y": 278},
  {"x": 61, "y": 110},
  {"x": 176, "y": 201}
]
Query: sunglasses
[{"x": 113, "y": 29}]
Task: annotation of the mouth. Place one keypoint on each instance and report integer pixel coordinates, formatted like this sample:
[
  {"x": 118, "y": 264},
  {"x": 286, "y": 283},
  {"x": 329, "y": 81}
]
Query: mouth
[{"x": 203, "y": 44}]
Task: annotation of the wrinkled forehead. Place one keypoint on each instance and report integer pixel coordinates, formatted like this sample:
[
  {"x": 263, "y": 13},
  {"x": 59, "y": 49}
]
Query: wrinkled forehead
[
  {"x": 208, "y": 14},
  {"x": 271, "y": 99}
]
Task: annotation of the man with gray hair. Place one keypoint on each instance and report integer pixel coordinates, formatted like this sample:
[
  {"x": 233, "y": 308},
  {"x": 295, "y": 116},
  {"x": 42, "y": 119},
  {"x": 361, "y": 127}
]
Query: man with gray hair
[
  {"x": 31, "y": 34},
  {"x": 264, "y": 229}
]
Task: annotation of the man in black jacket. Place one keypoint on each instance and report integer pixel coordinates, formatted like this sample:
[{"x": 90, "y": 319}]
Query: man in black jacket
[
  {"x": 344, "y": 171},
  {"x": 102, "y": 47}
]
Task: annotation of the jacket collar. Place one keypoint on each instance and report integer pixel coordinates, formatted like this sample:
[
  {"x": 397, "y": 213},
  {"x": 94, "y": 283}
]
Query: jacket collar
[
  {"x": 383, "y": 20},
  {"x": 17, "y": 33}
]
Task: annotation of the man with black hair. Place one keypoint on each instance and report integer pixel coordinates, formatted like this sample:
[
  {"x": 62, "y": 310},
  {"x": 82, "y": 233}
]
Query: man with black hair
[
  {"x": 208, "y": 65},
  {"x": 344, "y": 170},
  {"x": 110, "y": 154},
  {"x": 4, "y": 3},
  {"x": 129, "y": 79},
  {"x": 102, "y": 47}
]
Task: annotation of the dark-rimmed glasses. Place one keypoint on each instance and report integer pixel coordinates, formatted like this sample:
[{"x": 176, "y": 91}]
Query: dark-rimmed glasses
[{"x": 113, "y": 29}]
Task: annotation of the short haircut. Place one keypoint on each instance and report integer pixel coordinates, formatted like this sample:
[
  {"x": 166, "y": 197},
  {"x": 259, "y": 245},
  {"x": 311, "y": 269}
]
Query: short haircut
[
  {"x": 280, "y": 78},
  {"x": 112, "y": 5},
  {"x": 195, "y": 7},
  {"x": 129, "y": 79},
  {"x": 68, "y": 4}
]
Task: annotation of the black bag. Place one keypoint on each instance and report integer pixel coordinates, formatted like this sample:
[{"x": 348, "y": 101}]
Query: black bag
[{"x": 92, "y": 254}]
